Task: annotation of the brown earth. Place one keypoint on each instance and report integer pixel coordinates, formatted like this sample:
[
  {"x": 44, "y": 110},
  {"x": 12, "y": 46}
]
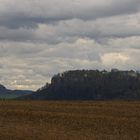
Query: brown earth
[{"x": 62, "y": 120}]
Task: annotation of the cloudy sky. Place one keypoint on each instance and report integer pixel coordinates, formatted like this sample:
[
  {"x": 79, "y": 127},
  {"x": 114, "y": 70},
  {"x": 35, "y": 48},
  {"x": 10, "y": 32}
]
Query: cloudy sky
[{"x": 39, "y": 38}]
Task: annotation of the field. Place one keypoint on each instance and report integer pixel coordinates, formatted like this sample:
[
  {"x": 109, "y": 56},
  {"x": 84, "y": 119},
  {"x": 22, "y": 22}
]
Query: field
[{"x": 53, "y": 120}]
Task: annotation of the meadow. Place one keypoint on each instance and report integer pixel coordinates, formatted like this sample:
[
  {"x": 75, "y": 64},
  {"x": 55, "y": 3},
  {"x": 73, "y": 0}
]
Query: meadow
[{"x": 67, "y": 120}]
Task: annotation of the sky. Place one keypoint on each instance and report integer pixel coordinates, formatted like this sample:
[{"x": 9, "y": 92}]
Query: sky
[{"x": 40, "y": 38}]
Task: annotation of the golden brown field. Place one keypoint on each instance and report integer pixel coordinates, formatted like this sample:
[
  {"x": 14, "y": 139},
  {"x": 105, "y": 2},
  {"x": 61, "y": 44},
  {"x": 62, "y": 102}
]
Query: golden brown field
[{"x": 53, "y": 120}]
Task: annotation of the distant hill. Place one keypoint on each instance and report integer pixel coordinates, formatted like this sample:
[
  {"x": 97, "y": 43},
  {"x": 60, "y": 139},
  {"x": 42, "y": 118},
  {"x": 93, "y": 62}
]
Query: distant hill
[
  {"x": 90, "y": 85},
  {"x": 12, "y": 94}
]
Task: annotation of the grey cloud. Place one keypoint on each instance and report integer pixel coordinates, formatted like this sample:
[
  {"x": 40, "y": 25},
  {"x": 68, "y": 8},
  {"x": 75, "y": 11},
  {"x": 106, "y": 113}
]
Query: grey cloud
[
  {"x": 71, "y": 30},
  {"x": 39, "y": 38},
  {"x": 23, "y": 66},
  {"x": 73, "y": 20},
  {"x": 29, "y": 14}
]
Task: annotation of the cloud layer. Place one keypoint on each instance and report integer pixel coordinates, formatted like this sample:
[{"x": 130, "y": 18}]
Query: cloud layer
[{"x": 39, "y": 38}]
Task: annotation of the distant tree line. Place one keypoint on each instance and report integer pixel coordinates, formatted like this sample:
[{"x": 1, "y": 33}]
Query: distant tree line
[{"x": 91, "y": 85}]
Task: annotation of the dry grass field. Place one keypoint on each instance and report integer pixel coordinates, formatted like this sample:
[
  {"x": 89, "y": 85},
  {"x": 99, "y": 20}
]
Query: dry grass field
[{"x": 53, "y": 120}]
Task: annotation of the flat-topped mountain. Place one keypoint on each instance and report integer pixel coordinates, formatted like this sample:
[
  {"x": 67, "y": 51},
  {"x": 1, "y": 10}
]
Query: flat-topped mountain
[{"x": 91, "y": 85}]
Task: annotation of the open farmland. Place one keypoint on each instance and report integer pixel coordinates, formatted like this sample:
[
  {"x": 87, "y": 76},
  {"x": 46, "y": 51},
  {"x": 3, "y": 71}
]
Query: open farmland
[{"x": 62, "y": 120}]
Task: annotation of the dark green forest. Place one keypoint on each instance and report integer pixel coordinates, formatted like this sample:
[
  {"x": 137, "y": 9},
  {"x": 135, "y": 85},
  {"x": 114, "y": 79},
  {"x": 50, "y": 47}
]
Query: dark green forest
[{"x": 91, "y": 85}]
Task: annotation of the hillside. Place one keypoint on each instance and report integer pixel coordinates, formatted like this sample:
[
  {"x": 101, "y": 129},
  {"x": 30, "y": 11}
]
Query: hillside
[
  {"x": 12, "y": 94},
  {"x": 91, "y": 85}
]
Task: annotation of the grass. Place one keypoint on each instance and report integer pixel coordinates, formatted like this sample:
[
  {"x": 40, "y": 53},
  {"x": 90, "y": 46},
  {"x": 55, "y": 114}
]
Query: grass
[{"x": 54, "y": 120}]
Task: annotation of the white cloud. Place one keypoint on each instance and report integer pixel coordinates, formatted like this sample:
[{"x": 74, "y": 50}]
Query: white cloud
[{"x": 114, "y": 59}]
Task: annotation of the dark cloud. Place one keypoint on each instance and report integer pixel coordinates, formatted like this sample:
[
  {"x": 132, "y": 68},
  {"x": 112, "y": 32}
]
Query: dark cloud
[{"x": 30, "y": 13}]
